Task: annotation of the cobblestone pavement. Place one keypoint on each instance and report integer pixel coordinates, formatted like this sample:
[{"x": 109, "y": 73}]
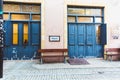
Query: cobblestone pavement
[{"x": 98, "y": 69}]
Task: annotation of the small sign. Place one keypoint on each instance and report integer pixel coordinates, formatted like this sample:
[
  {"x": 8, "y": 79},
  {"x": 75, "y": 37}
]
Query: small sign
[{"x": 54, "y": 38}]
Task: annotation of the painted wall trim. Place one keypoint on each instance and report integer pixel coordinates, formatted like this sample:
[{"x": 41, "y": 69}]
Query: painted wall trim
[{"x": 25, "y": 1}]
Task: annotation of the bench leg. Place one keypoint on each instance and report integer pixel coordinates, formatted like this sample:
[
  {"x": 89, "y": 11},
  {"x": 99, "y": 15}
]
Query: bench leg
[
  {"x": 110, "y": 58},
  {"x": 106, "y": 57},
  {"x": 41, "y": 61},
  {"x": 65, "y": 60}
]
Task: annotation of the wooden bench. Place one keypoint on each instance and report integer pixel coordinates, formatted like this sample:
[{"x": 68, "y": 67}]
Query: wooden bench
[
  {"x": 110, "y": 55},
  {"x": 51, "y": 51}
]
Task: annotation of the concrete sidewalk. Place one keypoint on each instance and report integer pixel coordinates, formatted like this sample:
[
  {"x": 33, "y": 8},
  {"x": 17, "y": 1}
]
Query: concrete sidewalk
[{"x": 98, "y": 69}]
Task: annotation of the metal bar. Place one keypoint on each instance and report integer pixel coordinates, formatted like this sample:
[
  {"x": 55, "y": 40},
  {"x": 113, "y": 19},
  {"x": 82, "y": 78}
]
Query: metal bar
[{"x": 1, "y": 39}]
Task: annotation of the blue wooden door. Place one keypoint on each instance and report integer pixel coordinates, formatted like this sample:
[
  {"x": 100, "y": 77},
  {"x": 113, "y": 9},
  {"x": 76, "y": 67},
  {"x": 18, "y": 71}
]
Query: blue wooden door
[
  {"x": 24, "y": 40},
  {"x": 90, "y": 40},
  {"x": 7, "y": 39},
  {"x": 82, "y": 41},
  {"x": 35, "y": 34}
]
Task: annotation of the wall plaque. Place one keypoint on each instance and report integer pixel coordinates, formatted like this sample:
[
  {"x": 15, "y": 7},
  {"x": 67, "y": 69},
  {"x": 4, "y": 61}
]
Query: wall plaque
[{"x": 54, "y": 38}]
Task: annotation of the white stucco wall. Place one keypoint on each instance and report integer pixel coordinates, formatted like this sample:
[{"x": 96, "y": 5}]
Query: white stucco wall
[
  {"x": 54, "y": 11},
  {"x": 54, "y": 19},
  {"x": 113, "y": 23}
]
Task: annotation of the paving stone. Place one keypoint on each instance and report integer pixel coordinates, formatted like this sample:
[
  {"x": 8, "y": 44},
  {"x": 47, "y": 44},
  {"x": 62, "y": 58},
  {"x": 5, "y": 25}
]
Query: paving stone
[{"x": 32, "y": 70}]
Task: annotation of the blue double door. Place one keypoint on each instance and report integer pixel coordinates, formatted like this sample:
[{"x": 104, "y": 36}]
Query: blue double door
[
  {"x": 82, "y": 41},
  {"x": 22, "y": 40}
]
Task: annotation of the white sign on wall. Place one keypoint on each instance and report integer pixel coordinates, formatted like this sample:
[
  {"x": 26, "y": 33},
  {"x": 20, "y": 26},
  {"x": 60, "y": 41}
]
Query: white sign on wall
[{"x": 54, "y": 38}]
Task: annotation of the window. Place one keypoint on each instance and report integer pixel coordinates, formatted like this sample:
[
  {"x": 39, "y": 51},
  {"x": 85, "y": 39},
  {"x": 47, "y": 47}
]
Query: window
[
  {"x": 30, "y": 8},
  {"x": 5, "y": 16},
  {"x": 85, "y": 19},
  {"x": 26, "y": 8},
  {"x": 20, "y": 17},
  {"x": 15, "y": 34},
  {"x": 85, "y": 11},
  {"x": 98, "y": 20},
  {"x": 71, "y": 19},
  {"x": 11, "y": 7},
  {"x": 36, "y": 17},
  {"x": 85, "y": 14},
  {"x": 6, "y": 7},
  {"x": 25, "y": 34},
  {"x": 94, "y": 12},
  {"x": 98, "y": 34},
  {"x": 79, "y": 11},
  {"x": 36, "y": 8},
  {"x": 21, "y": 11}
]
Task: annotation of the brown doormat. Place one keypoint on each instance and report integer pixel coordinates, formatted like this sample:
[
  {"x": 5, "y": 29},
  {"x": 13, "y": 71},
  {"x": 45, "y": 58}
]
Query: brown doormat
[{"x": 80, "y": 61}]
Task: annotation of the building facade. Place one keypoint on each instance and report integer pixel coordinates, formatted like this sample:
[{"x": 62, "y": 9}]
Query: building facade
[{"x": 84, "y": 27}]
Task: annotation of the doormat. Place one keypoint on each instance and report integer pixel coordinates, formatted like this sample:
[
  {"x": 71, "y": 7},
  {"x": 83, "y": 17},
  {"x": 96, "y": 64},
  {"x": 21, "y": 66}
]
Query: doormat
[{"x": 80, "y": 61}]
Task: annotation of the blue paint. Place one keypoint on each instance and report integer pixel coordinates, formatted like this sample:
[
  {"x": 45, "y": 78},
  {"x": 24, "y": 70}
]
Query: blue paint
[
  {"x": 21, "y": 51},
  {"x": 35, "y": 33},
  {"x": 103, "y": 34},
  {"x": 8, "y": 34},
  {"x": 82, "y": 41}
]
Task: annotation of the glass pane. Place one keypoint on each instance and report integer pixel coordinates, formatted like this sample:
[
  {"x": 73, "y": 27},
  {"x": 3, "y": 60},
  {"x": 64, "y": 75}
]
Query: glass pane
[
  {"x": 36, "y": 17},
  {"x": 18, "y": 8},
  {"x": 97, "y": 12},
  {"x": 98, "y": 20},
  {"x": 15, "y": 34},
  {"x": 11, "y": 7},
  {"x": 89, "y": 12},
  {"x": 26, "y": 8},
  {"x": 6, "y": 7},
  {"x": 71, "y": 19},
  {"x": 5, "y": 16},
  {"x": 25, "y": 34},
  {"x": 98, "y": 34},
  {"x": 79, "y": 11},
  {"x": 94, "y": 12},
  {"x": 85, "y": 19},
  {"x": 15, "y": 7},
  {"x": 36, "y": 9},
  {"x": 20, "y": 17}
]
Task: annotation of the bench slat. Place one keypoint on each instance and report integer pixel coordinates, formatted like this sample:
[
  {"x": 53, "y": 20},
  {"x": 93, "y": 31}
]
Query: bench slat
[
  {"x": 55, "y": 56},
  {"x": 112, "y": 54},
  {"x": 112, "y": 50},
  {"x": 53, "y": 50},
  {"x": 42, "y": 51}
]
